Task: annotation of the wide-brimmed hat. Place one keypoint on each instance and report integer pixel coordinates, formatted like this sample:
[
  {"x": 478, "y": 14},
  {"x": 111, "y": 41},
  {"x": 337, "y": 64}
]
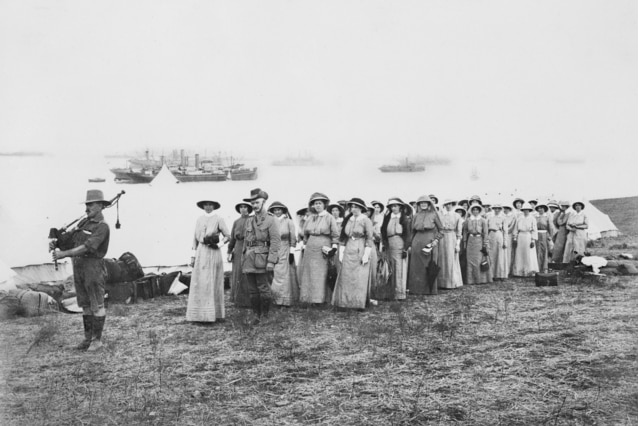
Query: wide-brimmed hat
[
  {"x": 475, "y": 205},
  {"x": 463, "y": 200},
  {"x": 583, "y": 206},
  {"x": 395, "y": 201},
  {"x": 409, "y": 209},
  {"x": 377, "y": 203},
  {"x": 216, "y": 205},
  {"x": 564, "y": 203},
  {"x": 96, "y": 196},
  {"x": 474, "y": 198},
  {"x": 277, "y": 205},
  {"x": 497, "y": 206},
  {"x": 342, "y": 203},
  {"x": 424, "y": 199},
  {"x": 336, "y": 206},
  {"x": 358, "y": 202},
  {"x": 255, "y": 194},
  {"x": 542, "y": 205},
  {"x": 533, "y": 200},
  {"x": 507, "y": 206},
  {"x": 458, "y": 207},
  {"x": 518, "y": 199},
  {"x": 318, "y": 196},
  {"x": 526, "y": 206},
  {"x": 302, "y": 212},
  {"x": 242, "y": 203},
  {"x": 431, "y": 196},
  {"x": 448, "y": 201},
  {"x": 553, "y": 203}
]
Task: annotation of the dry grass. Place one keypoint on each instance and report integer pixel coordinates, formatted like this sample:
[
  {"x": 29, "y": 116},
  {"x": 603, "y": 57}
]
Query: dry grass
[{"x": 506, "y": 353}]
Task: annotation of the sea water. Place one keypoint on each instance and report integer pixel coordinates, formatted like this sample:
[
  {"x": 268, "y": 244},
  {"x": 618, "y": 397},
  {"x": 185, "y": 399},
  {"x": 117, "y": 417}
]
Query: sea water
[{"x": 157, "y": 221}]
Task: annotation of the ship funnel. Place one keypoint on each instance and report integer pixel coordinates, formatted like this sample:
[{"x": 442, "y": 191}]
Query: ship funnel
[
  {"x": 182, "y": 158},
  {"x": 197, "y": 161}
]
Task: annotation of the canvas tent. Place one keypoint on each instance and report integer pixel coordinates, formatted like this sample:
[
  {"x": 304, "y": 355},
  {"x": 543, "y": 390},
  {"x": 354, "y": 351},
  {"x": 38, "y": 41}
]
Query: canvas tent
[{"x": 599, "y": 223}]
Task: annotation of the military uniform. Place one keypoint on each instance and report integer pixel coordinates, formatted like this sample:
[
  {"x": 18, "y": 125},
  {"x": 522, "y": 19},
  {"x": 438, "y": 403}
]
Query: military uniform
[
  {"x": 89, "y": 270},
  {"x": 261, "y": 247}
]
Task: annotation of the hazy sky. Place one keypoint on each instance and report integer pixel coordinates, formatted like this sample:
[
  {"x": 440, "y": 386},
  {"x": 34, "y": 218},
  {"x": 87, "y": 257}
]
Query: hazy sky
[{"x": 514, "y": 78}]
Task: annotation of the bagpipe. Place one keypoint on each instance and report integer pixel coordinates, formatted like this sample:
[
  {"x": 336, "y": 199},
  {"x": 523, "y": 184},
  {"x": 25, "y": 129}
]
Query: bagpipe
[{"x": 62, "y": 238}]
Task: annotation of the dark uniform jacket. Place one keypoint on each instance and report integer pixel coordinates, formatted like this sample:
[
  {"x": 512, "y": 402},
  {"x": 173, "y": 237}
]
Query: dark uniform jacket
[
  {"x": 94, "y": 234},
  {"x": 261, "y": 243}
]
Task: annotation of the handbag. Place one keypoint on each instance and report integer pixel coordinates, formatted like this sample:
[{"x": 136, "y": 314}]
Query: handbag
[{"x": 484, "y": 266}]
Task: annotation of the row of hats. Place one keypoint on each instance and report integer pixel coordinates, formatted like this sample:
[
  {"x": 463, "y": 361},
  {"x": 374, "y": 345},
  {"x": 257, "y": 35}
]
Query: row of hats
[{"x": 432, "y": 199}]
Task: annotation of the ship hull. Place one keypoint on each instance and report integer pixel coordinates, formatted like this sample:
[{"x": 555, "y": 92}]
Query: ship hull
[
  {"x": 244, "y": 175},
  {"x": 128, "y": 176},
  {"x": 200, "y": 178},
  {"x": 392, "y": 169}
]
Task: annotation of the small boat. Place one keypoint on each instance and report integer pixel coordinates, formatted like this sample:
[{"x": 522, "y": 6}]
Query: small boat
[{"x": 97, "y": 179}]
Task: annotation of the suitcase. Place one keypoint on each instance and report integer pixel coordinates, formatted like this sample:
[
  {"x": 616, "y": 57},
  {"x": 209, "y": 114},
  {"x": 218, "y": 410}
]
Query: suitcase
[
  {"x": 165, "y": 281},
  {"x": 546, "y": 280},
  {"x": 147, "y": 287}
]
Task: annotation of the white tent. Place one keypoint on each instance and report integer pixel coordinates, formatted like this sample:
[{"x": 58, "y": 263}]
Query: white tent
[
  {"x": 599, "y": 223},
  {"x": 164, "y": 178}
]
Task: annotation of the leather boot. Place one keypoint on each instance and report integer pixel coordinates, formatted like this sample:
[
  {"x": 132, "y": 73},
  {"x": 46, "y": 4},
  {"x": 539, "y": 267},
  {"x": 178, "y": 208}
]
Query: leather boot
[
  {"x": 87, "y": 320},
  {"x": 256, "y": 305},
  {"x": 98, "y": 326},
  {"x": 266, "y": 307}
]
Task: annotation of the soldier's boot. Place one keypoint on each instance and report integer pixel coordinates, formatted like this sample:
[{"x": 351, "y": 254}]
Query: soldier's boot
[
  {"x": 256, "y": 305},
  {"x": 87, "y": 320},
  {"x": 266, "y": 307},
  {"x": 98, "y": 326}
]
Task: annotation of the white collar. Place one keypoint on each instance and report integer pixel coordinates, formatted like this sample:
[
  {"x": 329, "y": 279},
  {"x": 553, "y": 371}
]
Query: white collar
[
  {"x": 396, "y": 216},
  {"x": 360, "y": 217},
  {"x": 472, "y": 217},
  {"x": 323, "y": 213},
  {"x": 209, "y": 214}
]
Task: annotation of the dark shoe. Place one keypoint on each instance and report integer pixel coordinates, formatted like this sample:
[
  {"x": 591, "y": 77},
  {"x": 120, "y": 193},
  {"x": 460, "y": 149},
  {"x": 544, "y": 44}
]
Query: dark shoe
[{"x": 87, "y": 320}]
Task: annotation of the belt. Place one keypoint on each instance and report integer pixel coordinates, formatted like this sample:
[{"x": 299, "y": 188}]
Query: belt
[
  {"x": 258, "y": 244},
  {"x": 493, "y": 230},
  {"x": 355, "y": 238},
  {"x": 448, "y": 231},
  {"x": 318, "y": 235},
  {"x": 541, "y": 230},
  {"x": 475, "y": 235}
]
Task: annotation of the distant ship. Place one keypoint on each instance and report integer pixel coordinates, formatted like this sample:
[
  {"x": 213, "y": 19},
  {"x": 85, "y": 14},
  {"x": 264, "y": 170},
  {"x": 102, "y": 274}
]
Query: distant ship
[
  {"x": 97, "y": 179},
  {"x": 128, "y": 175},
  {"x": 406, "y": 167},
  {"x": 307, "y": 160},
  {"x": 205, "y": 170}
]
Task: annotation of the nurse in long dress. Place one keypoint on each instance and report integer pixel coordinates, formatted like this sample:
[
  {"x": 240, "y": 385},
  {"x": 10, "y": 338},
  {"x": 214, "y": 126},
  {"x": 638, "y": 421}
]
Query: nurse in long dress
[
  {"x": 524, "y": 236},
  {"x": 497, "y": 245},
  {"x": 284, "y": 288},
  {"x": 449, "y": 247},
  {"x": 577, "y": 235},
  {"x": 356, "y": 246},
  {"x": 206, "y": 293}
]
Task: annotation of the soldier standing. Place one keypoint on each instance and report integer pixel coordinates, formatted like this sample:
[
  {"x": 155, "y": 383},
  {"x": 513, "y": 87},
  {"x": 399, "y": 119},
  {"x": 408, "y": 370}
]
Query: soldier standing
[
  {"x": 90, "y": 243},
  {"x": 261, "y": 252}
]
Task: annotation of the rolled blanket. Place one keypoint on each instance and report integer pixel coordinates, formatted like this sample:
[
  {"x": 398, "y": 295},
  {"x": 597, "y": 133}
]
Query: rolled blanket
[{"x": 34, "y": 303}]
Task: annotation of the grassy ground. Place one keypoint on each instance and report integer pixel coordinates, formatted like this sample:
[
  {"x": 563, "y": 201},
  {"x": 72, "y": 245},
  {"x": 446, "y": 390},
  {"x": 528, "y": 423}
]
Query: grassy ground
[{"x": 505, "y": 353}]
